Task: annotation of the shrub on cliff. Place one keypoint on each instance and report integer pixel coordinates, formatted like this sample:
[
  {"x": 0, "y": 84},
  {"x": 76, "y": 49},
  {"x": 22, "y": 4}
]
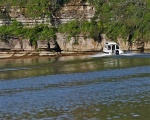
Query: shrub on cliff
[
  {"x": 40, "y": 32},
  {"x": 127, "y": 19},
  {"x": 87, "y": 29},
  {"x": 16, "y": 29}
]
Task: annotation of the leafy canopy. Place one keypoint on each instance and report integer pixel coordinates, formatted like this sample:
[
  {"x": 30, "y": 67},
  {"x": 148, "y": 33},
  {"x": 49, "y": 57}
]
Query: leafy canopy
[{"x": 128, "y": 19}]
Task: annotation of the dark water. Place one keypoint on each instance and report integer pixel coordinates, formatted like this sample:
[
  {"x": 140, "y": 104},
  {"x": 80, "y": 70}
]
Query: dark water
[{"x": 76, "y": 88}]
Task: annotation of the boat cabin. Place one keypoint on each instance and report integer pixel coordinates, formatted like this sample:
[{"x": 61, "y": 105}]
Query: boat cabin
[{"x": 112, "y": 48}]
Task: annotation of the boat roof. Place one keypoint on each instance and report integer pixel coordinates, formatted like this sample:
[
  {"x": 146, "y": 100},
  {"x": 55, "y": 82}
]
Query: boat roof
[{"x": 111, "y": 43}]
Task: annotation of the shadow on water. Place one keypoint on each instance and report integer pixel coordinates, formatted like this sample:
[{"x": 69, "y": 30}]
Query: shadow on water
[{"x": 75, "y": 88}]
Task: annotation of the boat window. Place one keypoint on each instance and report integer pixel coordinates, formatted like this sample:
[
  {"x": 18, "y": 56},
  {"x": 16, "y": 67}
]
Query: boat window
[
  {"x": 109, "y": 47},
  {"x": 113, "y": 47},
  {"x": 117, "y": 47}
]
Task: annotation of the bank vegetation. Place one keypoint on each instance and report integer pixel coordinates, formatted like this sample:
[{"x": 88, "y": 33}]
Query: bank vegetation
[{"x": 126, "y": 19}]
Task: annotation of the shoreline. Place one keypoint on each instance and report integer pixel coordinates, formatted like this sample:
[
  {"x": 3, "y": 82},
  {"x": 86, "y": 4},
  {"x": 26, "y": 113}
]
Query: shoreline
[{"x": 38, "y": 54}]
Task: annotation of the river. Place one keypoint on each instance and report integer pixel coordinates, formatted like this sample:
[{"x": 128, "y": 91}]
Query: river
[{"x": 75, "y": 88}]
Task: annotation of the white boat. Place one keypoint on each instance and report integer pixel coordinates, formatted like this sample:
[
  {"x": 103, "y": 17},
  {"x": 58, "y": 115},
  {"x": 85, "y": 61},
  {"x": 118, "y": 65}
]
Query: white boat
[{"x": 112, "y": 48}]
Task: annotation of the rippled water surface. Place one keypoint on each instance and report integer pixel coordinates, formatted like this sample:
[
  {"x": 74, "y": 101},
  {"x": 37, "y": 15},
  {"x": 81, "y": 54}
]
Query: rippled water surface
[{"x": 75, "y": 88}]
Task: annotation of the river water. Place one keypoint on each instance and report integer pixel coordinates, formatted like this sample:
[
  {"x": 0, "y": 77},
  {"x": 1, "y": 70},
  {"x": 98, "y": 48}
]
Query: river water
[{"x": 75, "y": 88}]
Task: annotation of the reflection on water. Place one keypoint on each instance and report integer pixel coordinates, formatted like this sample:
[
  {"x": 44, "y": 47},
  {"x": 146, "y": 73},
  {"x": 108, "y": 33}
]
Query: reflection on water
[
  {"x": 75, "y": 88},
  {"x": 20, "y": 68}
]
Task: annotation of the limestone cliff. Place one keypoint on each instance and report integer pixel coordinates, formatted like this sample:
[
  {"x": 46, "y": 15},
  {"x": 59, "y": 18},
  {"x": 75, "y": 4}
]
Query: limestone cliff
[{"x": 74, "y": 10}]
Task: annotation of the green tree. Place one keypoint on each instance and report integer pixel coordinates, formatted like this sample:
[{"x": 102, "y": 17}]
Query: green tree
[
  {"x": 40, "y": 32},
  {"x": 127, "y": 19},
  {"x": 70, "y": 28}
]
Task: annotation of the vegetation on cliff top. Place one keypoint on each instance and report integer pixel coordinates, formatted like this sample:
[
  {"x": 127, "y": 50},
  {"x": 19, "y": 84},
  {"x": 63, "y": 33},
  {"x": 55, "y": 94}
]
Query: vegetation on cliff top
[
  {"x": 127, "y": 19},
  {"x": 34, "y": 8}
]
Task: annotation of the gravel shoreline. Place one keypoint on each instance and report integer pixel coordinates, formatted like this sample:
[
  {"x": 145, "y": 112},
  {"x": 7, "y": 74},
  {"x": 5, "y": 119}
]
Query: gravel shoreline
[{"x": 37, "y": 54}]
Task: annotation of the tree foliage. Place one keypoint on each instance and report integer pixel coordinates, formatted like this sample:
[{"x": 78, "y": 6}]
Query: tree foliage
[
  {"x": 16, "y": 29},
  {"x": 74, "y": 28},
  {"x": 34, "y": 8},
  {"x": 127, "y": 19},
  {"x": 41, "y": 32}
]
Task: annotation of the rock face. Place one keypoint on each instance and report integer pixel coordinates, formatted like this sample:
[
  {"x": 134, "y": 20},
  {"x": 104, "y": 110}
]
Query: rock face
[
  {"x": 4, "y": 46},
  {"x": 81, "y": 44},
  {"x": 62, "y": 43},
  {"x": 17, "y": 13},
  {"x": 89, "y": 44},
  {"x": 74, "y": 10},
  {"x": 16, "y": 44}
]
